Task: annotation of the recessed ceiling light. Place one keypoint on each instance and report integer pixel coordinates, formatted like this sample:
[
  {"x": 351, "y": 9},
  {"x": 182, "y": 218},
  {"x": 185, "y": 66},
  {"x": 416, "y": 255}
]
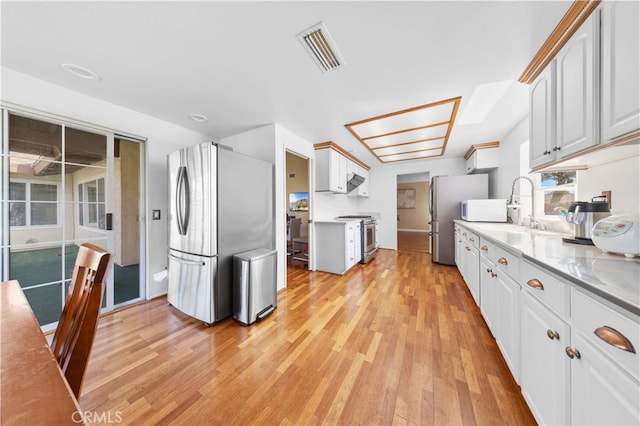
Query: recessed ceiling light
[
  {"x": 198, "y": 117},
  {"x": 81, "y": 72}
]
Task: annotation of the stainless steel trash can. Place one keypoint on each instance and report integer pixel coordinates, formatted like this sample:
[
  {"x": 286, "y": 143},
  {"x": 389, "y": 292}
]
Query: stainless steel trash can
[{"x": 254, "y": 285}]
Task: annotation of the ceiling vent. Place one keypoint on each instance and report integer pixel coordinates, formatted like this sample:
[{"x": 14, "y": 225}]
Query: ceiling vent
[{"x": 317, "y": 41}]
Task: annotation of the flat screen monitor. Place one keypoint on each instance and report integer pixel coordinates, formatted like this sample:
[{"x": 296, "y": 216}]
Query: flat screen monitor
[{"x": 298, "y": 201}]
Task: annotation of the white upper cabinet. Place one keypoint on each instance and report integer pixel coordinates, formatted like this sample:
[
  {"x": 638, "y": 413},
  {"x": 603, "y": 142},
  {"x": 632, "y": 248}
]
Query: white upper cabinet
[
  {"x": 620, "y": 68},
  {"x": 589, "y": 94},
  {"x": 331, "y": 171},
  {"x": 577, "y": 90},
  {"x": 542, "y": 129}
]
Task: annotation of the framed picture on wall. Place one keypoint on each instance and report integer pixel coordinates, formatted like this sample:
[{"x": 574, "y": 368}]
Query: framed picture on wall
[{"x": 407, "y": 198}]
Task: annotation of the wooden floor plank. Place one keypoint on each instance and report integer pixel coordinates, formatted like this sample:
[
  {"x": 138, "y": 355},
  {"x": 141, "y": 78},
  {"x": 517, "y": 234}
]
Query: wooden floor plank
[{"x": 396, "y": 341}]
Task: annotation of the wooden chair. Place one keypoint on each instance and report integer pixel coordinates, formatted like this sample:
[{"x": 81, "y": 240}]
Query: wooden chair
[{"x": 72, "y": 341}]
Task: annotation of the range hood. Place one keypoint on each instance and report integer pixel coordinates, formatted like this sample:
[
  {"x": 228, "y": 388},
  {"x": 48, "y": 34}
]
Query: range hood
[{"x": 354, "y": 180}]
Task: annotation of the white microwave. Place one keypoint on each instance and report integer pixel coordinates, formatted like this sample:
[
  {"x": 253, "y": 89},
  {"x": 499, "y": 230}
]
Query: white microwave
[{"x": 484, "y": 210}]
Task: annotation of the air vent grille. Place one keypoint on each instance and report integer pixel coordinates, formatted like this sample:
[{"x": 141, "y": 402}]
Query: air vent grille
[{"x": 317, "y": 41}]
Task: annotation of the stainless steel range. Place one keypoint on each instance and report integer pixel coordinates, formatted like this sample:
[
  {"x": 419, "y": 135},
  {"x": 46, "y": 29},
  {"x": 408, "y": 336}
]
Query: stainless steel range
[{"x": 368, "y": 235}]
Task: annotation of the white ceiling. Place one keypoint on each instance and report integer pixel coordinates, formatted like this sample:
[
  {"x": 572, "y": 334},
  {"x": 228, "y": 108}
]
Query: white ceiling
[{"x": 240, "y": 64}]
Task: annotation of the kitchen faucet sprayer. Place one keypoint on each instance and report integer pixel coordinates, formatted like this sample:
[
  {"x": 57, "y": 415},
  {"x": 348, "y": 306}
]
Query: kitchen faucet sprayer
[{"x": 511, "y": 202}]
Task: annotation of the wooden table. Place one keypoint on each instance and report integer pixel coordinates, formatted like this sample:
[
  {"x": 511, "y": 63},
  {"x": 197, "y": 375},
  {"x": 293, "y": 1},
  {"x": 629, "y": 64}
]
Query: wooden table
[{"x": 33, "y": 390}]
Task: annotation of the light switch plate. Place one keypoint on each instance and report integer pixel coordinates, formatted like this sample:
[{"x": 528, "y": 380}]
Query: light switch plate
[{"x": 156, "y": 214}]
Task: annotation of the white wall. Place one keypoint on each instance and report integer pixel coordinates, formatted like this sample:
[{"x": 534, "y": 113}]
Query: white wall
[
  {"x": 383, "y": 187},
  {"x": 270, "y": 143},
  {"x": 501, "y": 179},
  {"x": 621, "y": 177},
  {"x": 162, "y": 138}
]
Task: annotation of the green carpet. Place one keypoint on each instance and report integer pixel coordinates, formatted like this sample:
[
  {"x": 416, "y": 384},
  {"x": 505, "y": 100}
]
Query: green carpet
[{"x": 40, "y": 266}]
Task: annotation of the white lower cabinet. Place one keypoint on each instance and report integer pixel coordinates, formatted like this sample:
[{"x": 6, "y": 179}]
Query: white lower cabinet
[
  {"x": 575, "y": 356},
  {"x": 507, "y": 320},
  {"x": 601, "y": 394},
  {"x": 569, "y": 375},
  {"x": 338, "y": 246},
  {"x": 544, "y": 372}
]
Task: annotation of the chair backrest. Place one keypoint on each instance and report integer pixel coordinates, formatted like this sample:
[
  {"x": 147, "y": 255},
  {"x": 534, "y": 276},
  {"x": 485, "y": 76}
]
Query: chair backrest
[
  {"x": 72, "y": 341},
  {"x": 294, "y": 228}
]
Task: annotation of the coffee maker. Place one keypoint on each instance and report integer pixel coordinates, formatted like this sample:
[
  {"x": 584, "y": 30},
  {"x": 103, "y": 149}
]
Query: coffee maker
[{"x": 583, "y": 215}]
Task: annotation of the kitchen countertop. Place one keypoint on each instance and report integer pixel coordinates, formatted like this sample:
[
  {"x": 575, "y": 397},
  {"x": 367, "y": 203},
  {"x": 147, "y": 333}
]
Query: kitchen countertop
[{"x": 613, "y": 277}]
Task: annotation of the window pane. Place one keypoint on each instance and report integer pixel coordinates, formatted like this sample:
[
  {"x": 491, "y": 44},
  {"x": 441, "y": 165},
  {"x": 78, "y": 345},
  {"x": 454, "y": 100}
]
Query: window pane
[
  {"x": 557, "y": 178},
  {"x": 45, "y": 302},
  {"x": 101, "y": 190},
  {"x": 17, "y": 191},
  {"x": 43, "y": 192},
  {"x": 554, "y": 201},
  {"x": 82, "y": 147},
  {"x": 92, "y": 212},
  {"x": 102, "y": 220},
  {"x": 36, "y": 266},
  {"x": 17, "y": 214},
  {"x": 44, "y": 214}
]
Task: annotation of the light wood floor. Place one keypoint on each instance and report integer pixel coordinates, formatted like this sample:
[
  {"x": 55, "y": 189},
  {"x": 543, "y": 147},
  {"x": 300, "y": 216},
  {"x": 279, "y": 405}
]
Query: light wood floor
[
  {"x": 413, "y": 241},
  {"x": 396, "y": 341}
]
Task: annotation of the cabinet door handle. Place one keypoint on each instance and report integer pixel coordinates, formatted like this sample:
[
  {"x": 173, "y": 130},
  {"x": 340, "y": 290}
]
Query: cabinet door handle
[
  {"x": 552, "y": 334},
  {"x": 535, "y": 283},
  {"x": 464, "y": 234},
  {"x": 489, "y": 270},
  {"x": 502, "y": 261},
  {"x": 467, "y": 247},
  {"x": 484, "y": 248},
  {"x": 572, "y": 353},
  {"x": 493, "y": 274},
  {"x": 614, "y": 338},
  {"x": 546, "y": 152},
  {"x": 471, "y": 239},
  {"x": 556, "y": 148}
]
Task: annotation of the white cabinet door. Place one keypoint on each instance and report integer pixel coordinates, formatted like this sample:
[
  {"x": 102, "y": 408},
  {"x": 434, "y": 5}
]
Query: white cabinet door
[
  {"x": 363, "y": 189},
  {"x": 578, "y": 83},
  {"x": 542, "y": 118},
  {"x": 544, "y": 367},
  {"x": 600, "y": 392},
  {"x": 487, "y": 291},
  {"x": 338, "y": 167},
  {"x": 350, "y": 246},
  {"x": 620, "y": 68},
  {"x": 472, "y": 266},
  {"x": 507, "y": 321}
]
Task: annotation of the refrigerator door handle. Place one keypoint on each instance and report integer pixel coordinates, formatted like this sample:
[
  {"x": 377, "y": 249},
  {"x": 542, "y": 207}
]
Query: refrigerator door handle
[
  {"x": 185, "y": 261},
  {"x": 183, "y": 201}
]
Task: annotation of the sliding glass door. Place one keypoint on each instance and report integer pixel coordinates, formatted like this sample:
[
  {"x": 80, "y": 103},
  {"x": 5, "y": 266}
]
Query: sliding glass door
[{"x": 60, "y": 190}]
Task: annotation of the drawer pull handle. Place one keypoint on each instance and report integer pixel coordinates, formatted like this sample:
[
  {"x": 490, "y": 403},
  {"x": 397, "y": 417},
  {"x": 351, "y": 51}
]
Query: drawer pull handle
[
  {"x": 484, "y": 248},
  {"x": 493, "y": 274},
  {"x": 467, "y": 247},
  {"x": 614, "y": 338},
  {"x": 572, "y": 353},
  {"x": 535, "y": 283},
  {"x": 502, "y": 261},
  {"x": 552, "y": 334},
  {"x": 489, "y": 270},
  {"x": 471, "y": 239}
]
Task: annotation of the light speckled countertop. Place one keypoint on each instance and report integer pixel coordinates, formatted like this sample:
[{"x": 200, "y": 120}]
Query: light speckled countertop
[{"x": 613, "y": 277}]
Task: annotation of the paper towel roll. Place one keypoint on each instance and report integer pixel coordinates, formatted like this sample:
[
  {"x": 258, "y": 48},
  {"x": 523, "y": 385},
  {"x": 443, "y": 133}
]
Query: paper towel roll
[{"x": 159, "y": 276}]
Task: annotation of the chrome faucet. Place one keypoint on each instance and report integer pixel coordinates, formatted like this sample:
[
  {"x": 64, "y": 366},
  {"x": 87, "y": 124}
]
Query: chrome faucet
[{"x": 533, "y": 223}]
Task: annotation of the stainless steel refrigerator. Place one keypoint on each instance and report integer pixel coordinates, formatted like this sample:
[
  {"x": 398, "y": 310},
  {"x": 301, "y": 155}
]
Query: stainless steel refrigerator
[
  {"x": 220, "y": 204},
  {"x": 445, "y": 195}
]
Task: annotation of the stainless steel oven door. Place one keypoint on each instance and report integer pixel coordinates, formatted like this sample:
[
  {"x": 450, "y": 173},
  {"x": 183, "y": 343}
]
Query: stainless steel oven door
[{"x": 370, "y": 242}]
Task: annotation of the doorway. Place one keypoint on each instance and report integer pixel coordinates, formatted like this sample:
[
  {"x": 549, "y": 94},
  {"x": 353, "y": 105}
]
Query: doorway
[
  {"x": 63, "y": 185},
  {"x": 413, "y": 212},
  {"x": 298, "y": 204}
]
